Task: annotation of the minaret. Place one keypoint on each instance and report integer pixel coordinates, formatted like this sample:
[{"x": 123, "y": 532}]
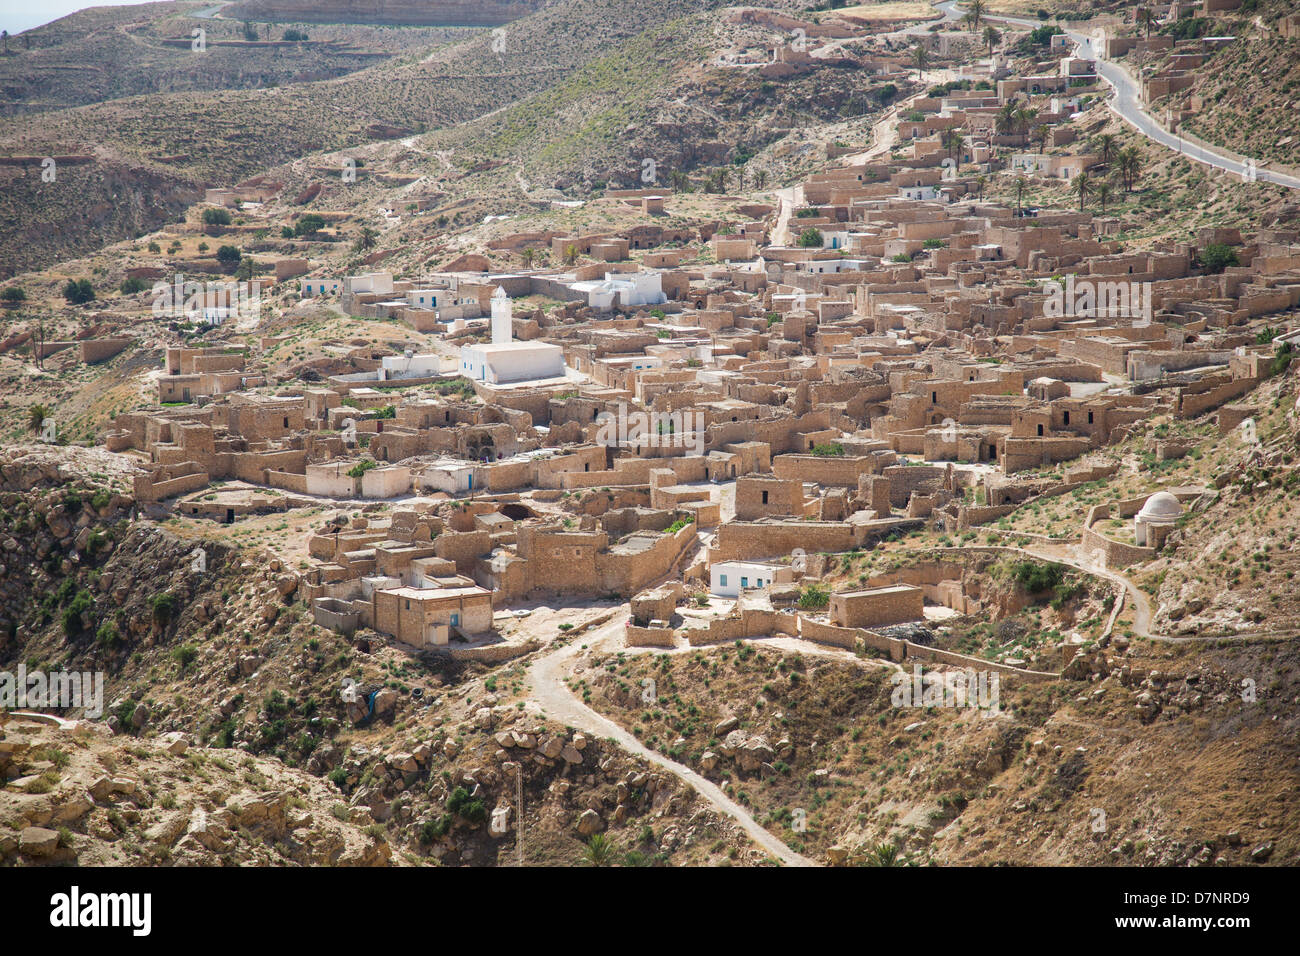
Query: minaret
[{"x": 501, "y": 312}]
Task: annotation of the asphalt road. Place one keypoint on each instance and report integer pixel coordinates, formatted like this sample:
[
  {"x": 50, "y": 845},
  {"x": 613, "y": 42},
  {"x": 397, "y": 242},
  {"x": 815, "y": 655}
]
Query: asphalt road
[{"x": 1127, "y": 104}]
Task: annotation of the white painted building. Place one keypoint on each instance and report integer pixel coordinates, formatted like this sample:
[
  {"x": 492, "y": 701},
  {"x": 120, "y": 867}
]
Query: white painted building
[
  {"x": 453, "y": 477},
  {"x": 503, "y": 361},
  {"x": 623, "y": 289},
  {"x": 409, "y": 365},
  {"x": 511, "y": 362},
  {"x": 430, "y": 298},
  {"x": 729, "y": 578},
  {"x": 502, "y": 318},
  {"x": 318, "y": 286},
  {"x": 919, "y": 193},
  {"x": 380, "y": 283}
]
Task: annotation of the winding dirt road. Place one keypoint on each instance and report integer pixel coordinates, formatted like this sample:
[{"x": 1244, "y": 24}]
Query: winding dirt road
[{"x": 548, "y": 690}]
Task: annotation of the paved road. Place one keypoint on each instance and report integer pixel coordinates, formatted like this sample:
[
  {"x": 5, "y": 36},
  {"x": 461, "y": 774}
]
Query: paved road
[
  {"x": 546, "y": 678},
  {"x": 1126, "y": 102}
]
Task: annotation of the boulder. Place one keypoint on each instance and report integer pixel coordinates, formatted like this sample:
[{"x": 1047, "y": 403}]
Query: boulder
[
  {"x": 385, "y": 701},
  {"x": 589, "y": 822},
  {"x": 38, "y": 841}
]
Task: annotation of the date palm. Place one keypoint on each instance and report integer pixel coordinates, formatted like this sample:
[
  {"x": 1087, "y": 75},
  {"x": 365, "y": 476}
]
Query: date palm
[
  {"x": 952, "y": 141},
  {"x": 36, "y": 415},
  {"x": 1145, "y": 18},
  {"x": 1081, "y": 186},
  {"x": 1105, "y": 144},
  {"x": 598, "y": 851},
  {"x": 365, "y": 240},
  {"x": 991, "y": 37},
  {"x": 920, "y": 59},
  {"x": 1021, "y": 185},
  {"x": 1130, "y": 165},
  {"x": 1042, "y": 133},
  {"x": 1025, "y": 117},
  {"x": 1103, "y": 193}
]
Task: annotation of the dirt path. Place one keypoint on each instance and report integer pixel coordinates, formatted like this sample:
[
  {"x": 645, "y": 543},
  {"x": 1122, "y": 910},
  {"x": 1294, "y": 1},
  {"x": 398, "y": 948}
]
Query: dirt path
[
  {"x": 549, "y": 692},
  {"x": 1075, "y": 557}
]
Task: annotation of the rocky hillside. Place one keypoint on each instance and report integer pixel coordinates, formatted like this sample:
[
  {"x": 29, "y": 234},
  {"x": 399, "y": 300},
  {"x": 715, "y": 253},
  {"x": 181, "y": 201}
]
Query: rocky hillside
[
  {"x": 1125, "y": 762},
  {"x": 57, "y": 66},
  {"x": 403, "y": 12},
  {"x": 227, "y": 735},
  {"x": 1249, "y": 88},
  {"x": 188, "y": 137},
  {"x": 79, "y": 795}
]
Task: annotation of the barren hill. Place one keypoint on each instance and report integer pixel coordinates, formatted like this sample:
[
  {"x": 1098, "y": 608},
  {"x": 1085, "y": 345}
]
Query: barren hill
[{"x": 403, "y": 12}]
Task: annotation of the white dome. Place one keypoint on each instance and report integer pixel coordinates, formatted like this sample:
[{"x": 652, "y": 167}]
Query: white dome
[{"x": 1161, "y": 505}]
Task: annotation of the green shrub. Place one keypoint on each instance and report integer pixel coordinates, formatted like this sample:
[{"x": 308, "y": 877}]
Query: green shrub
[
  {"x": 1036, "y": 578},
  {"x": 72, "y": 625},
  {"x": 814, "y": 597}
]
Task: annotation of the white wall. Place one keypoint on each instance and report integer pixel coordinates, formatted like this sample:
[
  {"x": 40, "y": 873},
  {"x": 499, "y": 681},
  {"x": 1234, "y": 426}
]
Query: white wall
[
  {"x": 485, "y": 363},
  {"x": 754, "y": 576}
]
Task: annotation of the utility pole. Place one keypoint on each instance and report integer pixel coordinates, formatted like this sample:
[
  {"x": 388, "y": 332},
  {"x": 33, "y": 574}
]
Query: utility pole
[{"x": 519, "y": 812}]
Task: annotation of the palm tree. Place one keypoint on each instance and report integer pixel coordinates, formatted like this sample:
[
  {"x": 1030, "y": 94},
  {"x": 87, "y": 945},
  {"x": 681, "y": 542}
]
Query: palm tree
[
  {"x": 1105, "y": 144},
  {"x": 1145, "y": 18},
  {"x": 598, "y": 851},
  {"x": 1081, "y": 185},
  {"x": 975, "y": 13},
  {"x": 4, "y": 35},
  {"x": 1005, "y": 122},
  {"x": 527, "y": 256},
  {"x": 1042, "y": 133},
  {"x": 38, "y": 342},
  {"x": 952, "y": 141},
  {"x": 1130, "y": 165},
  {"x": 570, "y": 254},
  {"x": 366, "y": 240},
  {"x": 1025, "y": 118},
  {"x": 980, "y": 183},
  {"x": 36, "y": 415},
  {"x": 1102, "y": 192},
  {"x": 920, "y": 59},
  {"x": 1021, "y": 184},
  {"x": 991, "y": 37},
  {"x": 884, "y": 854}
]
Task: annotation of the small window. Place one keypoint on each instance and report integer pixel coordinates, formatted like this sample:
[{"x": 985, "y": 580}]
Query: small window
[
  {"x": 765, "y": 497},
  {"x": 744, "y": 582},
  {"x": 1090, "y": 418},
  {"x": 722, "y": 580},
  {"x": 1066, "y": 416},
  {"x": 286, "y": 421},
  {"x": 1040, "y": 431}
]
